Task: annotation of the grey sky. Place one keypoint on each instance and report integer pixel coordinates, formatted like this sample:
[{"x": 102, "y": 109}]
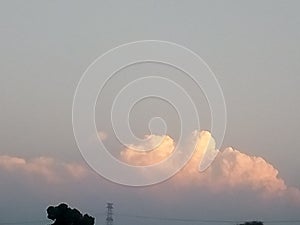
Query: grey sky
[{"x": 252, "y": 47}]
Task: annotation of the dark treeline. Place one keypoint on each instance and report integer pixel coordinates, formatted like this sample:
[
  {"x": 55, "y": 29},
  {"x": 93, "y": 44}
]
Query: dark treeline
[
  {"x": 64, "y": 215},
  {"x": 252, "y": 223}
]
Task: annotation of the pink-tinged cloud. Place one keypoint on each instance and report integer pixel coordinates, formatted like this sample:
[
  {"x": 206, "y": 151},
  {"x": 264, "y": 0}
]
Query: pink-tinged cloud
[
  {"x": 162, "y": 147},
  {"x": 231, "y": 169},
  {"x": 45, "y": 168},
  {"x": 102, "y": 135}
]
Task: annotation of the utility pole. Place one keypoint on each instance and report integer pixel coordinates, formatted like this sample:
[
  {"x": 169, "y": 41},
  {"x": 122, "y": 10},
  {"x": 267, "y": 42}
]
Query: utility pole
[{"x": 109, "y": 213}]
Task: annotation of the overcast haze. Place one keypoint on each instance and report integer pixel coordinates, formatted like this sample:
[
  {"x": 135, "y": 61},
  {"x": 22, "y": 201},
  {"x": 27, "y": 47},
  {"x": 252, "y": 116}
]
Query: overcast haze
[{"x": 251, "y": 46}]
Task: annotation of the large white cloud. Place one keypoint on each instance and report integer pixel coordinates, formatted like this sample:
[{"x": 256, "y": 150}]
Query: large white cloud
[{"x": 231, "y": 169}]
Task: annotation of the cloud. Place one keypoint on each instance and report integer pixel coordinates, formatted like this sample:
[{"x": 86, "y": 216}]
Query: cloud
[
  {"x": 241, "y": 169},
  {"x": 161, "y": 147},
  {"x": 46, "y": 168},
  {"x": 102, "y": 135},
  {"x": 231, "y": 168}
]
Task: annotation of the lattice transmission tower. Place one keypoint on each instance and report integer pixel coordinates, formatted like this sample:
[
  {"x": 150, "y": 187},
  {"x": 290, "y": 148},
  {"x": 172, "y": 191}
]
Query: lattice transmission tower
[{"x": 109, "y": 213}]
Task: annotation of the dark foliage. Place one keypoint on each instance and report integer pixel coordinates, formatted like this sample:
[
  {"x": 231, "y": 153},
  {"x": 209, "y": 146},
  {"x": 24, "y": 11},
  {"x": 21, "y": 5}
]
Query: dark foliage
[
  {"x": 64, "y": 215},
  {"x": 253, "y": 223}
]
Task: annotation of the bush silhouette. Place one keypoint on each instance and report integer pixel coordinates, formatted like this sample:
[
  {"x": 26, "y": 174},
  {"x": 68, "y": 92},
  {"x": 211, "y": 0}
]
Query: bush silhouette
[
  {"x": 64, "y": 215},
  {"x": 253, "y": 223}
]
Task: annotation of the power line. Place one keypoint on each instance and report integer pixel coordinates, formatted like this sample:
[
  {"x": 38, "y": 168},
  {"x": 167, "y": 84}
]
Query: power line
[
  {"x": 157, "y": 218},
  {"x": 281, "y": 221},
  {"x": 24, "y": 222},
  {"x": 203, "y": 220},
  {"x": 176, "y": 219}
]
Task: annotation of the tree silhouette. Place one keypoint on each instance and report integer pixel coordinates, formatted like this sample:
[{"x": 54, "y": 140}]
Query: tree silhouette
[
  {"x": 64, "y": 215},
  {"x": 252, "y": 223}
]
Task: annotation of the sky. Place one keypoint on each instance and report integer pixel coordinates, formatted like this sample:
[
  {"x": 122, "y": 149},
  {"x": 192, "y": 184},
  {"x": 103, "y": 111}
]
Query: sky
[{"x": 251, "y": 46}]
